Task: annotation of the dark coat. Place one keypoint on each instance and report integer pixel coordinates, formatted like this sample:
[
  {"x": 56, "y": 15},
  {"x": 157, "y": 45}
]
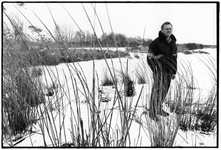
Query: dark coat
[{"x": 168, "y": 63}]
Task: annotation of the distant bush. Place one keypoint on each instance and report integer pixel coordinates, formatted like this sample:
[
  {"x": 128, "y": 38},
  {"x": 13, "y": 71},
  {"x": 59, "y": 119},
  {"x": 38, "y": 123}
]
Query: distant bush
[
  {"x": 86, "y": 55},
  {"x": 36, "y": 58},
  {"x": 192, "y": 46},
  {"x": 134, "y": 48},
  {"x": 201, "y": 52},
  {"x": 187, "y": 52}
]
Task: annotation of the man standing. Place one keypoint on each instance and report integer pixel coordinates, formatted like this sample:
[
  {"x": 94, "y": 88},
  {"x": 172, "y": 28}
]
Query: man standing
[{"x": 162, "y": 60}]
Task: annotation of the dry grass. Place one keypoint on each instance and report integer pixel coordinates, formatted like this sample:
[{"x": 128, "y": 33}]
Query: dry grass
[{"x": 25, "y": 100}]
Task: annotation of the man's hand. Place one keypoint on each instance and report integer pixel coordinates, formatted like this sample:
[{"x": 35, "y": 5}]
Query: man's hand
[
  {"x": 173, "y": 76},
  {"x": 158, "y": 56},
  {"x": 149, "y": 55}
]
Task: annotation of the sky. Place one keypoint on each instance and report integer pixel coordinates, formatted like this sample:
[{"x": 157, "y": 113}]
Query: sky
[{"x": 192, "y": 22}]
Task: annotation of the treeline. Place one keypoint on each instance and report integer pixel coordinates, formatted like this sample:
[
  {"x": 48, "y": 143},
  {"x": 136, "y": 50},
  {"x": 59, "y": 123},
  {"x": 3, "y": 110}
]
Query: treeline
[
  {"x": 71, "y": 38},
  {"x": 87, "y": 39},
  {"x": 193, "y": 46},
  {"x": 67, "y": 37}
]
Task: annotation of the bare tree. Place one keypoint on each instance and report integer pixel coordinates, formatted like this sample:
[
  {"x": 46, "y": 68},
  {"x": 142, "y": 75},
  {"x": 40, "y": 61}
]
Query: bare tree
[
  {"x": 68, "y": 32},
  {"x": 60, "y": 39}
]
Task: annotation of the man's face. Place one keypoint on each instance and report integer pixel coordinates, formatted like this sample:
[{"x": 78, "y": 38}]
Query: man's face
[{"x": 167, "y": 30}]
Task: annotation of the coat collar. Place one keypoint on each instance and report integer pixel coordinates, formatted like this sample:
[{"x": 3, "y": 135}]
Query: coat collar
[{"x": 163, "y": 37}]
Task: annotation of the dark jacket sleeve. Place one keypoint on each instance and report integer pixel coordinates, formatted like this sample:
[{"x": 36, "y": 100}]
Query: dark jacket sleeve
[{"x": 153, "y": 48}]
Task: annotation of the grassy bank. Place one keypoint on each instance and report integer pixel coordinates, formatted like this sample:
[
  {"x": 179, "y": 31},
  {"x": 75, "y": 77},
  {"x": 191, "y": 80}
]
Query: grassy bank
[{"x": 54, "y": 57}]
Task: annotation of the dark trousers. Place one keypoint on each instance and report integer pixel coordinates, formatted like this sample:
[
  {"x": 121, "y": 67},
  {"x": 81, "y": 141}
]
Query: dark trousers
[{"x": 161, "y": 85}]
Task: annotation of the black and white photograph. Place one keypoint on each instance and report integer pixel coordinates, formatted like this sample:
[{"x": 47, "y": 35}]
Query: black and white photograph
[{"x": 110, "y": 74}]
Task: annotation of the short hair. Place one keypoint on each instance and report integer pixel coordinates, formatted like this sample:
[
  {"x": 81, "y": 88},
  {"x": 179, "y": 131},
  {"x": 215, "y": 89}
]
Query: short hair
[{"x": 165, "y": 23}]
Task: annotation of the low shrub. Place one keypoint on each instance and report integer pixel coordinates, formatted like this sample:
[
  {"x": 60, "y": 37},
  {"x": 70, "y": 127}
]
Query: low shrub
[
  {"x": 206, "y": 121},
  {"x": 200, "y": 117},
  {"x": 128, "y": 85},
  {"x": 141, "y": 78},
  {"x": 107, "y": 80},
  {"x": 137, "y": 56},
  {"x": 21, "y": 96},
  {"x": 141, "y": 73}
]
